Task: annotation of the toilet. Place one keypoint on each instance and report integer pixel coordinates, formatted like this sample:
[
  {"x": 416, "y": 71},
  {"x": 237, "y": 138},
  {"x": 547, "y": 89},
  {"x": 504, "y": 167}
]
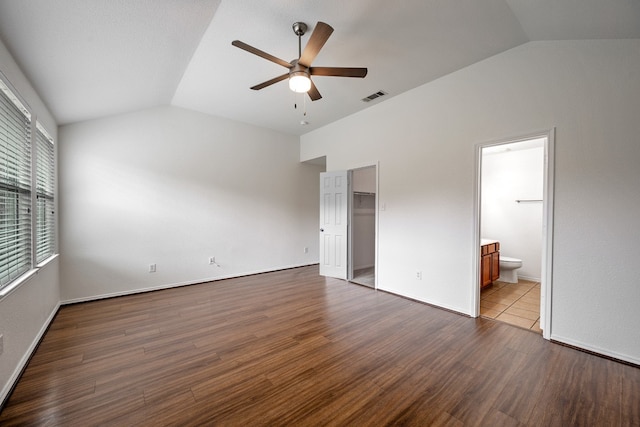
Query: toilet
[{"x": 509, "y": 269}]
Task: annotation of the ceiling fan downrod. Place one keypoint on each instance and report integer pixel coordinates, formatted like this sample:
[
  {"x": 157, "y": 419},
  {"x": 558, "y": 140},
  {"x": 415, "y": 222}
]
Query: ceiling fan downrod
[{"x": 299, "y": 28}]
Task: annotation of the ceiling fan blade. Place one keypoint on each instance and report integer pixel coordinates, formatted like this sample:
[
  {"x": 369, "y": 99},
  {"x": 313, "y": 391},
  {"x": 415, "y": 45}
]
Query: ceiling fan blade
[
  {"x": 313, "y": 92},
  {"x": 318, "y": 38},
  {"x": 270, "y": 82},
  {"x": 338, "y": 71},
  {"x": 260, "y": 53}
]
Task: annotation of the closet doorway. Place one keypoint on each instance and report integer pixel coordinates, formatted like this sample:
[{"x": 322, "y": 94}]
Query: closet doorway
[{"x": 362, "y": 238}]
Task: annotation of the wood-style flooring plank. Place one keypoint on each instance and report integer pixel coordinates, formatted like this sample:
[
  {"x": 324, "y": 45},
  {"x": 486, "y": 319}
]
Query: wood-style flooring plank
[{"x": 294, "y": 348}]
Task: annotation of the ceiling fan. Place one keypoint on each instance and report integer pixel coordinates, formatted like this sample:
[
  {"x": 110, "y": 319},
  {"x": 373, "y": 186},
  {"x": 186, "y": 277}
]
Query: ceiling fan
[{"x": 300, "y": 69}]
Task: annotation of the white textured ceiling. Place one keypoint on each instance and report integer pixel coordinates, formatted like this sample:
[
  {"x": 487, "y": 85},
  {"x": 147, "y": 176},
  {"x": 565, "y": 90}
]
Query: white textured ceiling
[{"x": 92, "y": 58}]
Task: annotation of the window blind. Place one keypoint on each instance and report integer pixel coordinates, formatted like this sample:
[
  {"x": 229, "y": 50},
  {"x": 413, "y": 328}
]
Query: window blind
[
  {"x": 45, "y": 176},
  {"x": 15, "y": 187}
]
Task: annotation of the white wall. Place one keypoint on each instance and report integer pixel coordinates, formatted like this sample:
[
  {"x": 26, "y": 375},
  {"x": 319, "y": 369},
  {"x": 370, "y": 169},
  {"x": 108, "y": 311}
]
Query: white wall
[
  {"x": 508, "y": 176},
  {"x": 173, "y": 187},
  {"x": 425, "y": 140},
  {"x": 25, "y": 312}
]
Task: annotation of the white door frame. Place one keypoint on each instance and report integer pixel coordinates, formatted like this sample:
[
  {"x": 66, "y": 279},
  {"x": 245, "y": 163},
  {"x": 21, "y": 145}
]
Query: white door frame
[
  {"x": 547, "y": 225},
  {"x": 375, "y": 165}
]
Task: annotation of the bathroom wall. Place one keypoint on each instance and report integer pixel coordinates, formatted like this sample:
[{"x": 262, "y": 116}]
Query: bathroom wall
[{"x": 507, "y": 176}]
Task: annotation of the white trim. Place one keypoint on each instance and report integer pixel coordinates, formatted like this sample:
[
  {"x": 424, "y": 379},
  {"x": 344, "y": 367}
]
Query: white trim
[
  {"x": 27, "y": 356},
  {"x": 12, "y": 286},
  {"x": 180, "y": 284},
  {"x": 594, "y": 349},
  {"x": 376, "y": 261},
  {"x": 376, "y": 213},
  {"x": 361, "y": 267},
  {"x": 531, "y": 279},
  {"x": 438, "y": 304},
  {"x": 474, "y": 310},
  {"x": 13, "y": 94},
  {"x": 8, "y": 290},
  {"x": 547, "y": 222}
]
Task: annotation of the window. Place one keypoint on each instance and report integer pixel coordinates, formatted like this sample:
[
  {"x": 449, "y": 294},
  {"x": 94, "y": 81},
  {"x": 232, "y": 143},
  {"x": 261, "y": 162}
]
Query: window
[
  {"x": 45, "y": 176},
  {"x": 15, "y": 187},
  {"x": 27, "y": 187}
]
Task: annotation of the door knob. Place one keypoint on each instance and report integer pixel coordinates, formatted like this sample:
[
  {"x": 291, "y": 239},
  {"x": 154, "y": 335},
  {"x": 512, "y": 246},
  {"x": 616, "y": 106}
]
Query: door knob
[{"x": 321, "y": 230}]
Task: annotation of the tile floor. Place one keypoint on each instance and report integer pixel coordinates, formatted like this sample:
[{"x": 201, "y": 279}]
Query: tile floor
[{"x": 514, "y": 303}]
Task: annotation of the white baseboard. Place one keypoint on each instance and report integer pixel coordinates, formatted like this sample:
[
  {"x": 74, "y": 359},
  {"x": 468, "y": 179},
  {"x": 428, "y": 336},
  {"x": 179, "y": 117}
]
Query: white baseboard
[
  {"x": 27, "y": 356},
  {"x": 595, "y": 349},
  {"x": 360, "y": 267},
  {"x": 179, "y": 284}
]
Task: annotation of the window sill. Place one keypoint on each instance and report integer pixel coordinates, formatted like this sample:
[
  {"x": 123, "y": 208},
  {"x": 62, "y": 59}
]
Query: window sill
[{"x": 8, "y": 290}]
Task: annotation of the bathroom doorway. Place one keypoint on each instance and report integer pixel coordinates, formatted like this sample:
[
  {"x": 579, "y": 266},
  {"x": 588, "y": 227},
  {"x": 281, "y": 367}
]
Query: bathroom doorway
[
  {"x": 515, "y": 183},
  {"x": 362, "y": 237}
]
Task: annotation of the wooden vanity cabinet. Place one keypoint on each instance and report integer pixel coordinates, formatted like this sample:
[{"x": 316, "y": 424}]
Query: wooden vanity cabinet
[{"x": 489, "y": 263}]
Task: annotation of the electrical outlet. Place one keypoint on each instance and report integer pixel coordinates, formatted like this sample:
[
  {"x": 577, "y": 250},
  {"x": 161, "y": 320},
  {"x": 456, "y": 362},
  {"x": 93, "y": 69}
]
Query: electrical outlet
[
  {"x": 306, "y": 250},
  {"x": 1, "y": 343},
  {"x": 419, "y": 275},
  {"x": 212, "y": 260},
  {"x": 152, "y": 268}
]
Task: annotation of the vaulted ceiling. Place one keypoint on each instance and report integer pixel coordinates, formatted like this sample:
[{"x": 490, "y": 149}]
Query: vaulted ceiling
[{"x": 94, "y": 58}]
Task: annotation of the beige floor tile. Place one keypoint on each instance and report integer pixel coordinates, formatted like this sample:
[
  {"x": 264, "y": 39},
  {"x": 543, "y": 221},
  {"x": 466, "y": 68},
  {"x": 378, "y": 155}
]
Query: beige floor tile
[
  {"x": 497, "y": 284},
  {"x": 486, "y": 292},
  {"x": 487, "y": 312},
  {"x": 516, "y": 320},
  {"x": 499, "y": 299},
  {"x": 536, "y": 327},
  {"x": 494, "y": 305},
  {"x": 529, "y": 301},
  {"x": 532, "y": 315},
  {"x": 514, "y": 303},
  {"x": 515, "y": 290},
  {"x": 533, "y": 293},
  {"x": 525, "y": 305}
]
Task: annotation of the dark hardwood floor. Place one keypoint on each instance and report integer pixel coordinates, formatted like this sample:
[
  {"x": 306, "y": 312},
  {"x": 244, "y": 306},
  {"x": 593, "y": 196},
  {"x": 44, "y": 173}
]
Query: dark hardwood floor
[{"x": 294, "y": 348}]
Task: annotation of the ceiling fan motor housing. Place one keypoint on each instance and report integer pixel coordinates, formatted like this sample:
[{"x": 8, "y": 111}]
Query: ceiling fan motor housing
[{"x": 299, "y": 28}]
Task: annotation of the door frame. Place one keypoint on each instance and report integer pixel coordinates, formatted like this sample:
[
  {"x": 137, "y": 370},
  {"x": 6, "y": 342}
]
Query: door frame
[
  {"x": 376, "y": 220},
  {"x": 547, "y": 224}
]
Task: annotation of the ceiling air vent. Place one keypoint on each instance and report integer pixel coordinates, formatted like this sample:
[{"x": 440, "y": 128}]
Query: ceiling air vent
[{"x": 373, "y": 96}]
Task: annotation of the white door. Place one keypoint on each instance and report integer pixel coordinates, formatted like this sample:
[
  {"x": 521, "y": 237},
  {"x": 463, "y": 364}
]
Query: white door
[{"x": 334, "y": 211}]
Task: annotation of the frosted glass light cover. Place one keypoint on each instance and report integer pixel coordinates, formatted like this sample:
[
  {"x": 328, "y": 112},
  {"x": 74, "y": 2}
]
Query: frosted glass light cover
[{"x": 299, "y": 83}]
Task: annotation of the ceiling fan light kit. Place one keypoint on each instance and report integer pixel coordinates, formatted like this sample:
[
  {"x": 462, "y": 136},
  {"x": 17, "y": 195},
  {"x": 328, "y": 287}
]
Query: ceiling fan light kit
[
  {"x": 300, "y": 70},
  {"x": 299, "y": 83}
]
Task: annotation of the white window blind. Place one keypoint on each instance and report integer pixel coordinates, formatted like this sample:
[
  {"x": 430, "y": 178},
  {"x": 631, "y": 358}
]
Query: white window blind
[
  {"x": 45, "y": 176},
  {"x": 15, "y": 187}
]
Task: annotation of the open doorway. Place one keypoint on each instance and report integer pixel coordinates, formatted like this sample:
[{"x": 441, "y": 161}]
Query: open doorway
[
  {"x": 363, "y": 227},
  {"x": 515, "y": 184}
]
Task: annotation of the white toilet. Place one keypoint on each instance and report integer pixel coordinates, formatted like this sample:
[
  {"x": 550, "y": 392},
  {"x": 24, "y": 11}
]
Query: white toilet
[{"x": 509, "y": 269}]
